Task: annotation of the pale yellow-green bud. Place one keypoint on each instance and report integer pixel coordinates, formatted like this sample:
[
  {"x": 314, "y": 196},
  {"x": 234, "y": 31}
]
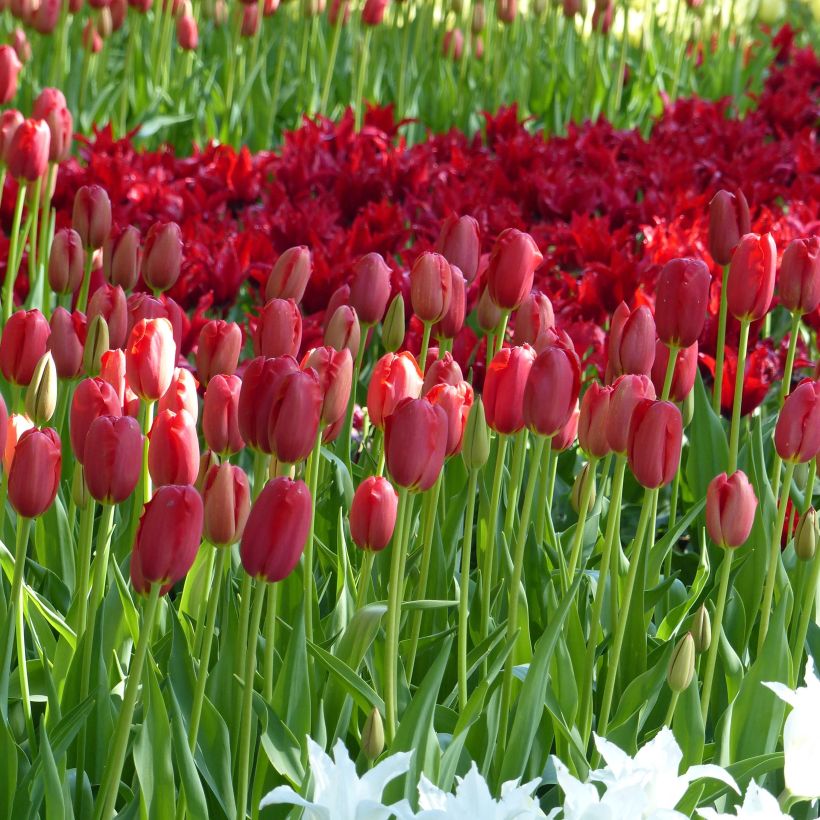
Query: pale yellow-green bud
[
  {"x": 96, "y": 343},
  {"x": 393, "y": 327},
  {"x": 682, "y": 664},
  {"x": 702, "y": 630},
  {"x": 583, "y": 478},
  {"x": 373, "y": 735},
  {"x": 805, "y": 538},
  {"x": 41, "y": 394},
  {"x": 475, "y": 447}
]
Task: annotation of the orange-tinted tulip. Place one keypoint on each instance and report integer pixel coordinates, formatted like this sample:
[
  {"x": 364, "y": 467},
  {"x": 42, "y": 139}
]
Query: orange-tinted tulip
[
  {"x": 173, "y": 449},
  {"x": 34, "y": 477},
  {"x": 373, "y": 514},
  {"x": 730, "y": 509},
  {"x": 279, "y": 329},
  {"x": 112, "y": 458},
  {"x": 150, "y": 358},
  {"x": 290, "y": 275},
  {"x": 22, "y": 345},
  {"x": 227, "y": 501},
  {"x": 396, "y": 377},
  {"x": 751, "y": 277},
  {"x": 513, "y": 262},
  {"x": 681, "y": 300},
  {"x": 504, "y": 387},
  {"x": 220, "y": 415},
  {"x": 370, "y": 288},
  {"x": 654, "y": 442}
]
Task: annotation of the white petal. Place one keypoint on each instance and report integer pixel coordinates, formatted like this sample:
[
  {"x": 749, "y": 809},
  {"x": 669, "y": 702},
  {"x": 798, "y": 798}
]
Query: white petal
[
  {"x": 712, "y": 771},
  {"x": 712, "y": 814},
  {"x": 430, "y": 795},
  {"x": 284, "y": 794},
  {"x": 782, "y": 691},
  {"x": 614, "y": 756},
  {"x": 578, "y": 797},
  {"x": 389, "y": 769},
  {"x": 801, "y": 744}
]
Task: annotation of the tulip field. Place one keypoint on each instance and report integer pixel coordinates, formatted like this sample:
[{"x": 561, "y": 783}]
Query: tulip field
[{"x": 409, "y": 409}]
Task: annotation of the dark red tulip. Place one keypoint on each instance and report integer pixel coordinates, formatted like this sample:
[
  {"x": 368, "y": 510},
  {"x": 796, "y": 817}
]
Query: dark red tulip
[
  {"x": 34, "y": 477},
  {"x": 797, "y": 433},
  {"x": 751, "y": 277},
  {"x": 431, "y": 287},
  {"x": 513, "y": 262},
  {"x": 681, "y": 300},
  {"x": 92, "y": 398},
  {"x": 450, "y": 325},
  {"x": 28, "y": 151},
  {"x": 92, "y": 216},
  {"x": 109, "y": 302},
  {"x": 112, "y": 458},
  {"x": 456, "y": 401},
  {"x": 592, "y": 423},
  {"x": 290, "y": 275},
  {"x": 396, "y": 377},
  {"x": 416, "y": 443},
  {"x": 551, "y": 391},
  {"x": 631, "y": 347},
  {"x": 728, "y": 221},
  {"x": 654, "y": 442},
  {"x": 686, "y": 368},
  {"x": 66, "y": 261},
  {"x": 279, "y": 329},
  {"x": 227, "y": 500},
  {"x": 150, "y": 358},
  {"x": 173, "y": 449},
  {"x": 504, "y": 387},
  {"x": 335, "y": 371},
  {"x": 121, "y": 258},
  {"x": 445, "y": 370},
  {"x": 22, "y": 345},
  {"x": 373, "y": 12},
  {"x": 181, "y": 395},
  {"x": 627, "y": 392},
  {"x": 373, "y": 514},
  {"x": 459, "y": 243},
  {"x": 799, "y": 283},
  {"x": 220, "y": 415},
  {"x": 67, "y": 341},
  {"x": 293, "y": 424},
  {"x": 162, "y": 256},
  {"x": 260, "y": 387},
  {"x": 730, "y": 509},
  {"x": 534, "y": 316},
  {"x": 220, "y": 344}
]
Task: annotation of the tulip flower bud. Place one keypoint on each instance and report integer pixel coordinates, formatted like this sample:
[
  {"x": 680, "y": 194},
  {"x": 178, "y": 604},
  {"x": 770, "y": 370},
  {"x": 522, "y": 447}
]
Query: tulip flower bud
[
  {"x": 338, "y": 14},
  {"x": 445, "y": 370},
  {"x": 460, "y": 245},
  {"x": 373, "y": 12},
  {"x": 730, "y": 509},
  {"x": 475, "y": 449},
  {"x": 688, "y": 409},
  {"x": 681, "y": 300},
  {"x": 121, "y": 258},
  {"x": 181, "y": 395},
  {"x": 373, "y": 735},
  {"x": 66, "y": 342},
  {"x": 682, "y": 664},
  {"x": 631, "y": 346},
  {"x": 168, "y": 538},
  {"x": 207, "y": 459},
  {"x": 187, "y": 32},
  {"x": 173, "y": 449},
  {"x": 79, "y": 489},
  {"x": 431, "y": 287},
  {"x": 276, "y": 530},
  {"x": 51, "y": 106},
  {"x": 260, "y": 388},
  {"x": 22, "y": 345},
  {"x": 227, "y": 501},
  {"x": 452, "y": 45},
  {"x": 479, "y": 18},
  {"x": 799, "y": 284},
  {"x": 340, "y": 296},
  {"x": 488, "y": 314},
  {"x": 109, "y": 303},
  {"x": 797, "y": 432},
  {"x": 250, "y": 21},
  {"x": 66, "y": 261},
  {"x": 728, "y": 221},
  {"x": 683, "y": 377},
  {"x": 220, "y": 344},
  {"x": 96, "y": 344},
  {"x": 456, "y": 401},
  {"x": 702, "y": 630},
  {"x": 92, "y": 398},
  {"x": 579, "y": 486},
  {"x": 504, "y": 388},
  {"x": 551, "y": 391},
  {"x": 294, "y": 416},
  {"x": 396, "y": 377},
  {"x": 393, "y": 328},
  {"x": 513, "y": 262},
  {"x": 654, "y": 442},
  {"x": 335, "y": 371},
  {"x": 112, "y": 458},
  {"x": 91, "y": 218},
  {"x": 533, "y": 317},
  {"x": 751, "y": 277},
  {"x": 453, "y": 321},
  {"x": 220, "y": 415},
  {"x": 373, "y": 514},
  {"x": 627, "y": 392},
  {"x": 343, "y": 330},
  {"x": 34, "y": 477},
  {"x": 507, "y": 10},
  {"x": 805, "y": 538},
  {"x": 150, "y": 358},
  {"x": 290, "y": 275},
  {"x": 416, "y": 443},
  {"x": 10, "y": 121},
  {"x": 41, "y": 394},
  {"x": 162, "y": 256},
  {"x": 593, "y": 421},
  {"x": 279, "y": 329},
  {"x": 10, "y": 67}
]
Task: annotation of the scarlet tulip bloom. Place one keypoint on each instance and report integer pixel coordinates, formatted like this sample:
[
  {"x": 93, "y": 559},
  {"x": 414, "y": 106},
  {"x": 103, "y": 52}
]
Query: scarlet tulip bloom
[
  {"x": 373, "y": 514},
  {"x": 181, "y": 395},
  {"x": 28, "y": 152},
  {"x": 513, "y": 262},
  {"x": 91, "y": 218},
  {"x": 10, "y": 121},
  {"x": 293, "y": 423},
  {"x": 121, "y": 258},
  {"x": 627, "y": 392},
  {"x": 343, "y": 330},
  {"x": 564, "y": 439},
  {"x": 683, "y": 378},
  {"x": 51, "y": 106},
  {"x": 227, "y": 500},
  {"x": 187, "y": 32},
  {"x": 34, "y": 477},
  {"x": 431, "y": 287},
  {"x": 339, "y": 297},
  {"x": 592, "y": 423},
  {"x": 445, "y": 370},
  {"x": 162, "y": 256},
  {"x": 220, "y": 344},
  {"x": 112, "y": 458},
  {"x": 551, "y": 391},
  {"x": 751, "y": 277},
  {"x": 168, "y": 538},
  {"x": 290, "y": 275},
  {"x": 150, "y": 358},
  {"x": 460, "y": 244},
  {"x": 109, "y": 302},
  {"x": 534, "y": 316},
  {"x": 451, "y": 323},
  {"x": 66, "y": 261},
  {"x": 335, "y": 371},
  {"x": 504, "y": 387},
  {"x": 260, "y": 387},
  {"x": 728, "y": 221},
  {"x": 488, "y": 314},
  {"x": 10, "y": 67},
  {"x": 373, "y": 12},
  {"x": 66, "y": 342},
  {"x": 22, "y": 345},
  {"x": 799, "y": 284},
  {"x": 416, "y": 437},
  {"x": 631, "y": 342},
  {"x": 16, "y": 425},
  {"x": 92, "y": 398},
  {"x": 112, "y": 370},
  {"x": 220, "y": 415},
  {"x": 797, "y": 433},
  {"x": 173, "y": 449},
  {"x": 681, "y": 300},
  {"x": 276, "y": 530},
  {"x": 396, "y": 377},
  {"x": 654, "y": 442},
  {"x": 279, "y": 329},
  {"x": 730, "y": 509},
  {"x": 456, "y": 401}
]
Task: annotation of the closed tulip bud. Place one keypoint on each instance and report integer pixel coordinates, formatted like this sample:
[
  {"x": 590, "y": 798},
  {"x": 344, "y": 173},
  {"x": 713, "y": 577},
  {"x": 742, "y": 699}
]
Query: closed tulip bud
[
  {"x": 79, "y": 489},
  {"x": 294, "y": 417},
  {"x": 150, "y": 358},
  {"x": 513, "y": 262},
  {"x": 507, "y": 9},
  {"x": 207, "y": 459},
  {"x": 654, "y": 443},
  {"x": 339, "y": 297},
  {"x": 335, "y": 371},
  {"x": 627, "y": 392},
  {"x": 751, "y": 277},
  {"x": 504, "y": 387},
  {"x": 66, "y": 261},
  {"x": 220, "y": 415},
  {"x": 475, "y": 449},
  {"x": 173, "y": 449},
  {"x": 15, "y": 427},
  {"x": 168, "y": 538},
  {"x": 728, "y": 221},
  {"x": 681, "y": 301},
  {"x": 459, "y": 243},
  {"x": 730, "y": 509},
  {"x": 34, "y": 477},
  {"x": 396, "y": 377},
  {"x": 227, "y": 501},
  {"x": 220, "y": 344},
  {"x": 797, "y": 432},
  {"x": 373, "y": 514},
  {"x": 121, "y": 258},
  {"x": 456, "y": 401},
  {"x": 10, "y": 67},
  {"x": 688, "y": 409},
  {"x": 96, "y": 345},
  {"x": 479, "y": 18},
  {"x": 279, "y": 329},
  {"x": 51, "y": 106},
  {"x": 534, "y": 316},
  {"x": 631, "y": 346},
  {"x": 91, "y": 218},
  {"x": 276, "y": 530},
  {"x": 109, "y": 303},
  {"x": 805, "y": 538},
  {"x": 416, "y": 443},
  {"x": 338, "y": 13},
  {"x": 187, "y": 32},
  {"x": 393, "y": 328},
  {"x": 373, "y": 12},
  {"x": 41, "y": 394},
  {"x": 66, "y": 342},
  {"x": 162, "y": 256},
  {"x": 22, "y": 345},
  {"x": 260, "y": 388},
  {"x": 579, "y": 486},
  {"x": 250, "y": 21},
  {"x": 683, "y": 377},
  {"x": 593, "y": 421},
  {"x": 702, "y": 630},
  {"x": 290, "y": 275},
  {"x": 551, "y": 391},
  {"x": 488, "y": 314},
  {"x": 10, "y": 121},
  {"x": 373, "y": 735},
  {"x": 112, "y": 458},
  {"x": 92, "y": 398},
  {"x": 682, "y": 664},
  {"x": 445, "y": 370},
  {"x": 452, "y": 45},
  {"x": 431, "y": 287},
  {"x": 343, "y": 331},
  {"x": 799, "y": 284}
]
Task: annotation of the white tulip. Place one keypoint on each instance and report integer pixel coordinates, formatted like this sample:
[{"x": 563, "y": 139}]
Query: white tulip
[{"x": 758, "y": 804}]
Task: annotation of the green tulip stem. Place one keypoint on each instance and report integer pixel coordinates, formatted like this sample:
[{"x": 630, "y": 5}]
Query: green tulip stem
[
  {"x": 204, "y": 598},
  {"x": 721, "y": 340},
  {"x": 670, "y": 712},
  {"x": 271, "y": 615},
  {"x": 331, "y": 65},
  {"x": 514, "y": 486},
  {"x": 788, "y": 369},
  {"x": 14, "y": 242},
  {"x": 583, "y": 509},
  {"x": 359, "y": 99},
  {"x": 313, "y": 481},
  {"x": 18, "y": 603},
  {"x": 364, "y": 578},
  {"x": 82, "y": 298},
  {"x": 425, "y": 346},
  {"x": 717, "y": 625},
  {"x": 84, "y": 563},
  {"x": 734, "y": 435},
  {"x": 347, "y": 429},
  {"x": 405, "y": 48},
  {"x": 33, "y": 271},
  {"x": 809, "y": 593},
  {"x": 464, "y": 590},
  {"x": 670, "y": 371}
]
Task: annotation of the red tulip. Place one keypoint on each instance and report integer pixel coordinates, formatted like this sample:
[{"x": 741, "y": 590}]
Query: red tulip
[
  {"x": 187, "y": 32},
  {"x": 294, "y": 416},
  {"x": 396, "y": 377},
  {"x": 10, "y": 67},
  {"x": 373, "y": 514},
  {"x": 121, "y": 258},
  {"x": 730, "y": 509},
  {"x": 66, "y": 262},
  {"x": 168, "y": 538},
  {"x": 162, "y": 256},
  {"x": 276, "y": 530},
  {"x": 51, "y": 106},
  {"x": 10, "y": 121},
  {"x": 459, "y": 243},
  {"x": 66, "y": 342},
  {"x": 513, "y": 262},
  {"x": 751, "y": 277},
  {"x": 452, "y": 45},
  {"x": 4, "y": 427},
  {"x": 445, "y": 370},
  {"x": 150, "y": 358},
  {"x": 145, "y": 306},
  {"x": 109, "y": 302},
  {"x": 431, "y": 287},
  {"x": 681, "y": 300},
  {"x": 181, "y": 395},
  {"x": 592, "y": 423},
  {"x": 797, "y": 433},
  {"x": 22, "y": 345},
  {"x": 551, "y": 391},
  {"x": 92, "y": 398},
  {"x": 34, "y": 477},
  {"x": 260, "y": 387},
  {"x": 686, "y": 368},
  {"x": 112, "y": 458},
  {"x": 456, "y": 401},
  {"x": 451, "y": 323},
  {"x": 338, "y": 12},
  {"x": 534, "y": 316},
  {"x": 488, "y": 314},
  {"x": 250, "y": 21},
  {"x": 173, "y": 449},
  {"x": 373, "y": 12},
  {"x": 654, "y": 442},
  {"x": 627, "y": 392},
  {"x": 220, "y": 415},
  {"x": 339, "y": 297},
  {"x": 279, "y": 329},
  {"x": 290, "y": 275},
  {"x": 335, "y": 371},
  {"x": 416, "y": 443},
  {"x": 16, "y": 425},
  {"x": 799, "y": 284},
  {"x": 21, "y": 45},
  {"x": 227, "y": 501},
  {"x": 112, "y": 371},
  {"x": 504, "y": 387},
  {"x": 91, "y": 218},
  {"x": 728, "y": 221},
  {"x": 220, "y": 344},
  {"x": 343, "y": 330},
  {"x": 631, "y": 346}
]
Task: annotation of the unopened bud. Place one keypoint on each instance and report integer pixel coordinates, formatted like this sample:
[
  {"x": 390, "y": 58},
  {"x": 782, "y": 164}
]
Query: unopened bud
[
  {"x": 801, "y": 475},
  {"x": 586, "y": 475},
  {"x": 79, "y": 489},
  {"x": 393, "y": 329},
  {"x": 206, "y": 461},
  {"x": 702, "y": 630},
  {"x": 682, "y": 664},
  {"x": 475, "y": 448},
  {"x": 41, "y": 394},
  {"x": 96, "y": 343},
  {"x": 373, "y": 735},
  {"x": 488, "y": 313},
  {"x": 688, "y": 408},
  {"x": 805, "y": 539}
]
